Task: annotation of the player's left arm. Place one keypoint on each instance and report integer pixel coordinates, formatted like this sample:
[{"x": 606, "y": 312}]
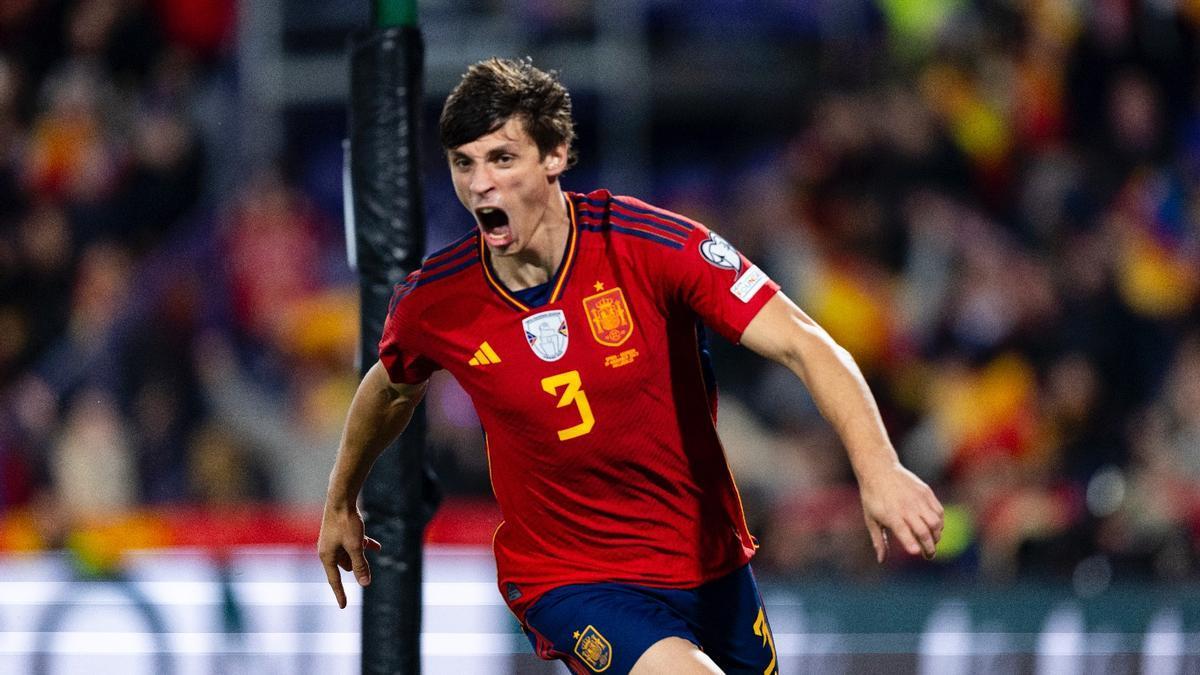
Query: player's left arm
[{"x": 894, "y": 499}]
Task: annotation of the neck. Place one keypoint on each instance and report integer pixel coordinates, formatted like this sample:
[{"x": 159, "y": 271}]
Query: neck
[{"x": 537, "y": 262}]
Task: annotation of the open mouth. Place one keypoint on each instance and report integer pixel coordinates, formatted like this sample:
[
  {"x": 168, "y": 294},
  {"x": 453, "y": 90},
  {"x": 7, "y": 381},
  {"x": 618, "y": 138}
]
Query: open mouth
[{"x": 494, "y": 223}]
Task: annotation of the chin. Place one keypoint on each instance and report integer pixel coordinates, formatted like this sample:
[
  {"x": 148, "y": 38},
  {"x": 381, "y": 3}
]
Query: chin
[{"x": 508, "y": 249}]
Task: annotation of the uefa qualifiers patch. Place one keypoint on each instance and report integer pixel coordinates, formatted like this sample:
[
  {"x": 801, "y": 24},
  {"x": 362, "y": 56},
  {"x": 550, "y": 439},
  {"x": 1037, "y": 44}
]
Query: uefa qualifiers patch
[
  {"x": 546, "y": 333},
  {"x": 721, "y": 253}
]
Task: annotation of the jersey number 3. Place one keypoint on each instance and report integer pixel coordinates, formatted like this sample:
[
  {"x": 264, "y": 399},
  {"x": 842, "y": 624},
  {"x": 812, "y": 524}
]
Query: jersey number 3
[{"x": 572, "y": 392}]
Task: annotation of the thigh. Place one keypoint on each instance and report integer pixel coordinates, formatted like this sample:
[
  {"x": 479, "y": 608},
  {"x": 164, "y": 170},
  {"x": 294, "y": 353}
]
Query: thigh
[
  {"x": 733, "y": 625},
  {"x": 604, "y": 628},
  {"x": 675, "y": 656}
]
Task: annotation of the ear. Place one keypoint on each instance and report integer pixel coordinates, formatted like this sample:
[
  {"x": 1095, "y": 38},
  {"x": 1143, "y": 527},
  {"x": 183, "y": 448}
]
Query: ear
[{"x": 555, "y": 161}]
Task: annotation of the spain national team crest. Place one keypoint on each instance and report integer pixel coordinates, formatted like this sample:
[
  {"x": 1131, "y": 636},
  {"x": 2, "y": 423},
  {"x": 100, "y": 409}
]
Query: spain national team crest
[
  {"x": 546, "y": 333},
  {"x": 594, "y": 649},
  {"x": 609, "y": 317}
]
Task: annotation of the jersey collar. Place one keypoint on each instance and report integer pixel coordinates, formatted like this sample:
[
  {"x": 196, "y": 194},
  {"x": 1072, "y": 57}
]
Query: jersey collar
[{"x": 560, "y": 276}]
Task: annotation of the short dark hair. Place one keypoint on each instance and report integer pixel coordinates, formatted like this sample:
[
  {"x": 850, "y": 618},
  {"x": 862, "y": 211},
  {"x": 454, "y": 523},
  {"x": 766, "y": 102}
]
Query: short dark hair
[{"x": 493, "y": 91}]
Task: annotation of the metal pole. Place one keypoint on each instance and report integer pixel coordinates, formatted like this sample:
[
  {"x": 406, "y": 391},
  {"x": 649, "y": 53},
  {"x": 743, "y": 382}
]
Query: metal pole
[
  {"x": 386, "y": 85},
  {"x": 394, "y": 13}
]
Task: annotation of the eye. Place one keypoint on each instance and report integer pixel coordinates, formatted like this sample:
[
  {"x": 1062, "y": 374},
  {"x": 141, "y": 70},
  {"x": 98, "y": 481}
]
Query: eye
[
  {"x": 461, "y": 162},
  {"x": 505, "y": 159}
]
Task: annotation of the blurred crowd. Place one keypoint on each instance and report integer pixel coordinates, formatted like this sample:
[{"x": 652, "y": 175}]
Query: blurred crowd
[
  {"x": 993, "y": 205},
  {"x": 1001, "y": 221},
  {"x": 161, "y": 342}
]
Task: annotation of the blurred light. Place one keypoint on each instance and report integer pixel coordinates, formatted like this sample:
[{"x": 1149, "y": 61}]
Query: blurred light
[
  {"x": 1106, "y": 492},
  {"x": 1093, "y": 575},
  {"x": 958, "y": 532},
  {"x": 248, "y": 593}
]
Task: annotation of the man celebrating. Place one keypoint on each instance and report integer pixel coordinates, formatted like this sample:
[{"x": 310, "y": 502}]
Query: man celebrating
[{"x": 572, "y": 321}]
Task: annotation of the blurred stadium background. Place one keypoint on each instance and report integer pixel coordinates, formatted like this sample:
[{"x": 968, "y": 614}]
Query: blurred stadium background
[{"x": 995, "y": 205}]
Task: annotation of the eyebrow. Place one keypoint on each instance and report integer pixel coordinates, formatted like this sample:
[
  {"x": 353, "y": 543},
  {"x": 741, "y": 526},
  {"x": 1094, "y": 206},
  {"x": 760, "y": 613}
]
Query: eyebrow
[
  {"x": 506, "y": 149},
  {"x": 490, "y": 155}
]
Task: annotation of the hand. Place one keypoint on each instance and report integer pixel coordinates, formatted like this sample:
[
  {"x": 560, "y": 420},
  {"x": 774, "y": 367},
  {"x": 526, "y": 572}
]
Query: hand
[
  {"x": 896, "y": 501},
  {"x": 342, "y": 544}
]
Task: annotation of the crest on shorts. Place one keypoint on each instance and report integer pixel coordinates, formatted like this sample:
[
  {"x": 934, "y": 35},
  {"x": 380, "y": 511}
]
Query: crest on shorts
[
  {"x": 609, "y": 317},
  {"x": 546, "y": 333},
  {"x": 594, "y": 649}
]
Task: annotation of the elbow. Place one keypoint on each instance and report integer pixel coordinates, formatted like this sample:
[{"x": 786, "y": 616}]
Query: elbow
[
  {"x": 796, "y": 351},
  {"x": 405, "y": 397}
]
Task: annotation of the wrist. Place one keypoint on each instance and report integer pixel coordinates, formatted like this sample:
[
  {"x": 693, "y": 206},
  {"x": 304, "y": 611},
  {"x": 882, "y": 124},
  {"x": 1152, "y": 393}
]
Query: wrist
[
  {"x": 866, "y": 470},
  {"x": 340, "y": 500}
]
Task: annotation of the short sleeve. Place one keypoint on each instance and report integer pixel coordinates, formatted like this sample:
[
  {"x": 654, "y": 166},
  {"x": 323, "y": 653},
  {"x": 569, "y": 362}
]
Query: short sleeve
[
  {"x": 719, "y": 283},
  {"x": 398, "y": 347}
]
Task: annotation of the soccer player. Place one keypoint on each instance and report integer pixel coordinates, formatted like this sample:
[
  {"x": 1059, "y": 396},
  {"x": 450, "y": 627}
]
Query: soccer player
[{"x": 572, "y": 320}]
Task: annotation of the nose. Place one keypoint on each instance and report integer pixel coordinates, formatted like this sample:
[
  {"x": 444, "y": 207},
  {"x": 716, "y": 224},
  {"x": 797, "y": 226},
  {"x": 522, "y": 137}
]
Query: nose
[{"x": 481, "y": 180}]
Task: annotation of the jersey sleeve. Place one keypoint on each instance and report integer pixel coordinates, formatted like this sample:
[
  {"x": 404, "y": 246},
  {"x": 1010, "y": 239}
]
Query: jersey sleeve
[
  {"x": 398, "y": 347},
  {"x": 719, "y": 283}
]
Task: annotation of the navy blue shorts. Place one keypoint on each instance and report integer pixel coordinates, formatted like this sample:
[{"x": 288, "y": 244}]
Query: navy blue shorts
[{"x": 605, "y": 628}]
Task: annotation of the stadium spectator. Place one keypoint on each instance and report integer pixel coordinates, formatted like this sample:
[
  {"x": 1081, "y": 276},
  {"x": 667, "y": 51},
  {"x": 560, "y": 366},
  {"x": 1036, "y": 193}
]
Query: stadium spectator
[{"x": 1006, "y": 222}]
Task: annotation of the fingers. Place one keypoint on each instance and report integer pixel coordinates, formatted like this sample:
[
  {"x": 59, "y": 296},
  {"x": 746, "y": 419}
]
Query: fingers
[
  {"x": 926, "y": 539},
  {"x": 935, "y": 523},
  {"x": 351, "y": 561},
  {"x": 917, "y": 534},
  {"x": 917, "y": 537},
  {"x": 342, "y": 544},
  {"x": 878, "y": 540},
  {"x": 358, "y": 562},
  {"x": 901, "y": 505},
  {"x": 908, "y": 541},
  {"x": 933, "y": 519},
  {"x": 335, "y": 580}
]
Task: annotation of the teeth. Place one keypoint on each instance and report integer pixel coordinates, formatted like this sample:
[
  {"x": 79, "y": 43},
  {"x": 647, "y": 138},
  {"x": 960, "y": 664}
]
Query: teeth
[{"x": 487, "y": 210}]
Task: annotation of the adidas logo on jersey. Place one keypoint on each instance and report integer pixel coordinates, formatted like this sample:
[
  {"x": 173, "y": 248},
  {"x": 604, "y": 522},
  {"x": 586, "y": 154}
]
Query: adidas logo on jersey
[{"x": 484, "y": 356}]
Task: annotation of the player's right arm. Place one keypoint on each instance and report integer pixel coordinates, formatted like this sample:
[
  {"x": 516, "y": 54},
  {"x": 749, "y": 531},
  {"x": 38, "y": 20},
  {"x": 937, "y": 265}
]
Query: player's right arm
[{"x": 378, "y": 414}]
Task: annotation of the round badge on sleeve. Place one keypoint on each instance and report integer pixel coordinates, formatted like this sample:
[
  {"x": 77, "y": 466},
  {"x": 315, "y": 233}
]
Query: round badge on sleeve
[{"x": 721, "y": 253}]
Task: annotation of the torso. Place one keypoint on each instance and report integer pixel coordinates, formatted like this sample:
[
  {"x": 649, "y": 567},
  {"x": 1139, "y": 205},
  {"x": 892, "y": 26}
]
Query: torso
[{"x": 601, "y": 434}]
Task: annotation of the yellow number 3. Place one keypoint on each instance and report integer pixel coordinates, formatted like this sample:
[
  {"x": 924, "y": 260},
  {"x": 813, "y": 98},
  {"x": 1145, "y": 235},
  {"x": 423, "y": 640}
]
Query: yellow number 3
[
  {"x": 572, "y": 394},
  {"x": 763, "y": 630}
]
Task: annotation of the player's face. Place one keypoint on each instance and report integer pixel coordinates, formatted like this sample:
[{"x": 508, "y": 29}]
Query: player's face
[{"x": 505, "y": 182}]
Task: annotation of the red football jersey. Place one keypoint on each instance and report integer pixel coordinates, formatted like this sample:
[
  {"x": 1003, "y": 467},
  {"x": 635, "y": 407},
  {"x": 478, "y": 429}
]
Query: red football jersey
[{"x": 601, "y": 434}]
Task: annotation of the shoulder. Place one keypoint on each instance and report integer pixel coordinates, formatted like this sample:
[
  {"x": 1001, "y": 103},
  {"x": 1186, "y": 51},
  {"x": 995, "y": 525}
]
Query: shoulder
[
  {"x": 632, "y": 221},
  {"x": 439, "y": 270}
]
